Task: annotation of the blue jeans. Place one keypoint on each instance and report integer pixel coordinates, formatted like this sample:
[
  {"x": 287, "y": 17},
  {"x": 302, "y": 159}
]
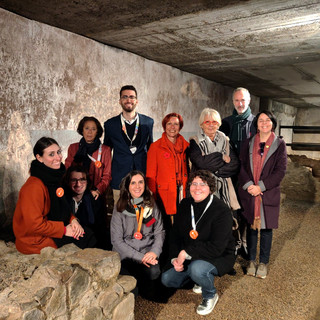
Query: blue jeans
[
  {"x": 199, "y": 271},
  {"x": 265, "y": 244}
]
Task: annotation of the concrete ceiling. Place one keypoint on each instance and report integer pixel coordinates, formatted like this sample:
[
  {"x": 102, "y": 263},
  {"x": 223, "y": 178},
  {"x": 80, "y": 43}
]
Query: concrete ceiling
[{"x": 271, "y": 47}]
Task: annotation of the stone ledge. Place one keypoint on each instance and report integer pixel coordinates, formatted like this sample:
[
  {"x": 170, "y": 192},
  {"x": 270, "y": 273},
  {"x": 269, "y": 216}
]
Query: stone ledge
[{"x": 65, "y": 283}]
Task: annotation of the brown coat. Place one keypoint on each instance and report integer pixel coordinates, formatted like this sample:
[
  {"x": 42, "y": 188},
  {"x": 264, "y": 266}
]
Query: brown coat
[{"x": 32, "y": 229}]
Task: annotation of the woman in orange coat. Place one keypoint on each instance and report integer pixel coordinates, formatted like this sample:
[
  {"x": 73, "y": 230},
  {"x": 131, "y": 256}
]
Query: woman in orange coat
[
  {"x": 167, "y": 170},
  {"x": 43, "y": 217}
]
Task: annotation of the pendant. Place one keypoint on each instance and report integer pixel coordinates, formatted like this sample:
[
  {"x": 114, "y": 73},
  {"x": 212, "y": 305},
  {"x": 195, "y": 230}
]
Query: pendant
[
  {"x": 60, "y": 192},
  {"x": 133, "y": 149},
  {"x": 138, "y": 235},
  {"x": 193, "y": 234},
  {"x": 98, "y": 164}
]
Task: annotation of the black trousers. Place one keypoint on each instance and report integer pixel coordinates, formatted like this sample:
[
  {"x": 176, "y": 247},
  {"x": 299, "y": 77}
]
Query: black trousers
[
  {"x": 148, "y": 279},
  {"x": 87, "y": 241}
]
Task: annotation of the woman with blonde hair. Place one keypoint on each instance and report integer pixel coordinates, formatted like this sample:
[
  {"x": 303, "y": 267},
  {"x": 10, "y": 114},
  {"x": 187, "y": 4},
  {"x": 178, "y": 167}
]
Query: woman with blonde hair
[{"x": 211, "y": 150}]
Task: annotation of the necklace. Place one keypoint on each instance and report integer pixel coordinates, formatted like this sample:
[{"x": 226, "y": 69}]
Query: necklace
[{"x": 194, "y": 233}]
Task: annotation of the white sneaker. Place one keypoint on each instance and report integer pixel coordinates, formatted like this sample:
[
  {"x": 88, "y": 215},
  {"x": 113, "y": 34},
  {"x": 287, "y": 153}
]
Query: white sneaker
[
  {"x": 207, "y": 305},
  {"x": 197, "y": 289}
]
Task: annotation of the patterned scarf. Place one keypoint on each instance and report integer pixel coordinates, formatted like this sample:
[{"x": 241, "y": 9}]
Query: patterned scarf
[
  {"x": 224, "y": 187},
  {"x": 259, "y": 154}
]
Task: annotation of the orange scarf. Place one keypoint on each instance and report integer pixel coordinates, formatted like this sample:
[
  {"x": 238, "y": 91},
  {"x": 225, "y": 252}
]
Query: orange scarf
[
  {"x": 258, "y": 161},
  {"x": 177, "y": 151}
]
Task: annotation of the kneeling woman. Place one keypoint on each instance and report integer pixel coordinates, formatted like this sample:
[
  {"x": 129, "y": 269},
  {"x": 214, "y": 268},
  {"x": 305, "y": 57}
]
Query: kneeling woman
[
  {"x": 201, "y": 244},
  {"x": 137, "y": 232},
  {"x": 42, "y": 217}
]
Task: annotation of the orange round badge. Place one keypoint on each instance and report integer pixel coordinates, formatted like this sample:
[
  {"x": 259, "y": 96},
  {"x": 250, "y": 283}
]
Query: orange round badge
[
  {"x": 98, "y": 164},
  {"x": 60, "y": 192},
  {"x": 138, "y": 235},
  {"x": 193, "y": 234}
]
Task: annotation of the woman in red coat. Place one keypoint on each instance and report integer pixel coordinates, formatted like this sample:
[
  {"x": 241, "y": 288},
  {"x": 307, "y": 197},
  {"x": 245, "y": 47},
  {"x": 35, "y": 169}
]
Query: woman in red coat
[
  {"x": 167, "y": 170},
  {"x": 92, "y": 154},
  {"x": 263, "y": 166}
]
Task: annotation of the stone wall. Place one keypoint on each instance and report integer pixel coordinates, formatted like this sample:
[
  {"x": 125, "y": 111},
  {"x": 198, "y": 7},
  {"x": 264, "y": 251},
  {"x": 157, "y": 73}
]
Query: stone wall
[
  {"x": 64, "y": 284},
  {"x": 302, "y": 179},
  {"x": 51, "y": 78}
]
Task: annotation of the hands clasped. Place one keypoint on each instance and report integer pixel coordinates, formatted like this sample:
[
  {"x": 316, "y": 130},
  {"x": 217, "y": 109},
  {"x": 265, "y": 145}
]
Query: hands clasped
[
  {"x": 74, "y": 229},
  {"x": 150, "y": 258},
  {"x": 179, "y": 261},
  {"x": 254, "y": 190}
]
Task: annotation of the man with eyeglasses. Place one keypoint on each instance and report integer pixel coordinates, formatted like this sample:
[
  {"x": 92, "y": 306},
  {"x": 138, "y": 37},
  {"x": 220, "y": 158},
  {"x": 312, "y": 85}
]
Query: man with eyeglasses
[
  {"x": 129, "y": 135},
  {"x": 238, "y": 127}
]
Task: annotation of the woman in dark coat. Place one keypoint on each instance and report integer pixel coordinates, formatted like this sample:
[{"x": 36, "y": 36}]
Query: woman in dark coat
[
  {"x": 263, "y": 166},
  {"x": 201, "y": 242}
]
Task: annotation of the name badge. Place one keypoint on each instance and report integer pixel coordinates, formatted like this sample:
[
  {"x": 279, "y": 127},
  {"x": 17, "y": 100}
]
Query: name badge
[{"x": 133, "y": 149}]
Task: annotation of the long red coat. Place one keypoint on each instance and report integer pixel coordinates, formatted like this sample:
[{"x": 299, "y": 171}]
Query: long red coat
[
  {"x": 32, "y": 229},
  {"x": 273, "y": 171},
  {"x": 161, "y": 174},
  {"x": 100, "y": 177}
]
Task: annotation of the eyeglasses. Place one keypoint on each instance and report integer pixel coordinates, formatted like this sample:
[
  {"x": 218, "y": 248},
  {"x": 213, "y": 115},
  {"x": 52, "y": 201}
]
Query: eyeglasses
[
  {"x": 200, "y": 184},
  {"x": 264, "y": 121},
  {"x": 81, "y": 180},
  {"x": 261, "y": 149},
  {"x": 128, "y": 97},
  {"x": 208, "y": 123}
]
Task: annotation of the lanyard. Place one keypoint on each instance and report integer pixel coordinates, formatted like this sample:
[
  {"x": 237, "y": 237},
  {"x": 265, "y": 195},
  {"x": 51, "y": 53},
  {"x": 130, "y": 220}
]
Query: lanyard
[
  {"x": 139, "y": 215},
  {"x": 97, "y": 162},
  {"x": 194, "y": 224},
  {"x": 124, "y": 129}
]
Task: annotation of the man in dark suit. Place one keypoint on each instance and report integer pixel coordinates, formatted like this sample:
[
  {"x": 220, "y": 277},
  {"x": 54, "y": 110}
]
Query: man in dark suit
[{"x": 129, "y": 135}]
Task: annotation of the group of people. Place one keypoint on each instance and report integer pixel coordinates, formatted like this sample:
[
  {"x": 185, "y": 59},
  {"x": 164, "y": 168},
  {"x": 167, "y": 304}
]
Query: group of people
[{"x": 163, "y": 207}]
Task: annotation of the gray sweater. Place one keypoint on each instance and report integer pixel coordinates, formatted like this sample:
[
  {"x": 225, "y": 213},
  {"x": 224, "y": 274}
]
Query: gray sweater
[{"x": 122, "y": 228}]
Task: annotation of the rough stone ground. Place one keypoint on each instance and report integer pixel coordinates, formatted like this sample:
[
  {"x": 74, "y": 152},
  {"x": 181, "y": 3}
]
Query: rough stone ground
[{"x": 291, "y": 290}]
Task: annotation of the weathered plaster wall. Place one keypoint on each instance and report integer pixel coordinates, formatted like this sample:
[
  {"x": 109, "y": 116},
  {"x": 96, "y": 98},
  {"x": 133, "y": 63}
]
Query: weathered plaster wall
[{"x": 50, "y": 79}]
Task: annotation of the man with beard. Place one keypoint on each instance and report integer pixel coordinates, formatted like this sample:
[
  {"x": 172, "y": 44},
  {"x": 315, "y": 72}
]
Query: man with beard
[{"x": 129, "y": 135}]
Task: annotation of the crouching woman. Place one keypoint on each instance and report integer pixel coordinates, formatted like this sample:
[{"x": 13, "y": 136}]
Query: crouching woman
[{"x": 201, "y": 244}]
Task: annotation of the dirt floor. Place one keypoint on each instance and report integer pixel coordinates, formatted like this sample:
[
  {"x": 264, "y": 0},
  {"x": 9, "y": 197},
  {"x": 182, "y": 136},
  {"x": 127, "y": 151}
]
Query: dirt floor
[{"x": 291, "y": 290}]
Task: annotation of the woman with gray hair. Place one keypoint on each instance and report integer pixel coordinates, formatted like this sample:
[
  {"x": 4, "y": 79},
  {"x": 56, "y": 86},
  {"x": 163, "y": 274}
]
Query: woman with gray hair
[{"x": 210, "y": 150}]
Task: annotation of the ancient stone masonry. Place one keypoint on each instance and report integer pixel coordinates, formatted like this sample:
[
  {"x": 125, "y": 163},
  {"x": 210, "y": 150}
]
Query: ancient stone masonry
[{"x": 64, "y": 284}]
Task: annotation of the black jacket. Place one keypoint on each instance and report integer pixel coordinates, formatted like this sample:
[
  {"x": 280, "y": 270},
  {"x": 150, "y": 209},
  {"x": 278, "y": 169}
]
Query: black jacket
[
  {"x": 215, "y": 242},
  {"x": 213, "y": 161}
]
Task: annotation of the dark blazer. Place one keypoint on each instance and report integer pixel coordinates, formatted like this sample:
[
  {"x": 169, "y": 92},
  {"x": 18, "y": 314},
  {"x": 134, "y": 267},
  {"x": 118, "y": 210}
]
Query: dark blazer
[
  {"x": 123, "y": 161},
  {"x": 215, "y": 242},
  {"x": 273, "y": 171}
]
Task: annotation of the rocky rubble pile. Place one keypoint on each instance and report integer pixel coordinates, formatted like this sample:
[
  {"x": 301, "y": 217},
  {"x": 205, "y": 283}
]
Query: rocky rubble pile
[{"x": 64, "y": 284}]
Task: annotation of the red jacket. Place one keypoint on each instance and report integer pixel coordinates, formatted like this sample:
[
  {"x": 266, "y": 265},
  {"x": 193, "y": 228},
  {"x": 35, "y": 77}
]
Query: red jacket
[
  {"x": 161, "y": 174},
  {"x": 30, "y": 225},
  {"x": 100, "y": 177}
]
